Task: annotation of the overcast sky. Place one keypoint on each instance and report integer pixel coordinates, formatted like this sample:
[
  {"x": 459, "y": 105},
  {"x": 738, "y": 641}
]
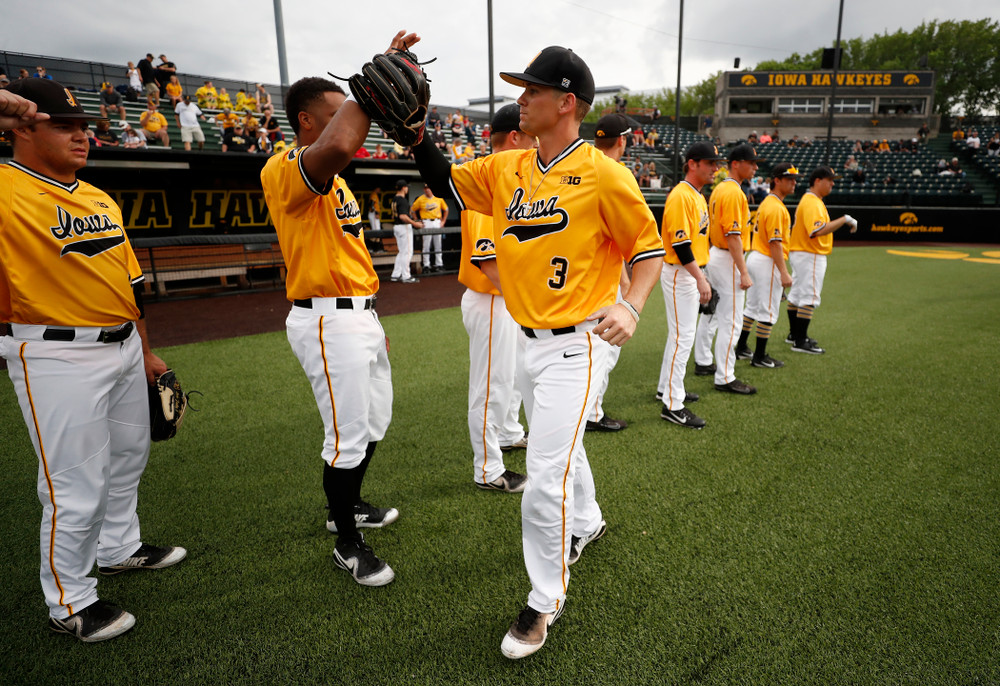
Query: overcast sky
[{"x": 632, "y": 43}]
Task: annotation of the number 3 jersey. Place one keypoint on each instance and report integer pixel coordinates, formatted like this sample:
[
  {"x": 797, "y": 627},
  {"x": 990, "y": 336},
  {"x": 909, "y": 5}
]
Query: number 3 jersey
[
  {"x": 64, "y": 257},
  {"x": 560, "y": 231}
]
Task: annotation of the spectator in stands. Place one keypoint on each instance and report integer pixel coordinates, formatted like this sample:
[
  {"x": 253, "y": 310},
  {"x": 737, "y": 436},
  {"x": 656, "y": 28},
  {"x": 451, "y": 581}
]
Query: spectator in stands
[
  {"x": 208, "y": 97},
  {"x": 753, "y": 139},
  {"x": 379, "y": 153},
  {"x": 942, "y": 164},
  {"x": 134, "y": 82},
  {"x": 793, "y": 141},
  {"x": 850, "y": 165},
  {"x": 890, "y": 180},
  {"x": 433, "y": 118},
  {"x": 241, "y": 100},
  {"x": 805, "y": 142},
  {"x": 104, "y": 133},
  {"x": 644, "y": 176},
  {"x": 470, "y": 130},
  {"x": 758, "y": 190},
  {"x": 263, "y": 98},
  {"x": 250, "y": 125},
  {"x": 272, "y": 126},
  {"x": 362, "y": 152},
  {"x": 148, "y": 75},
  {"x": 279, "y": 147},
  {"x": 187, "y": 115},
  {"x": 857, "y": 147},
  {"x": 456, "y": 124},
  {"x": 765, "y": 137},
  {"x": 4, "y": 81},
  {"x": 164, "y": 70},
  {"x": 973, "y": 142},
  {"x": 154, "y": 124},
  {"x": 23, "y": 74},
  {"x": 236, "y": 140},
  {"x": 250, "y": 104},
  {"x": 224, "y": 101},
  {"x": 993, "y": 147},
  {"x": 954, "y": 167},
  {"x": 883, "y": 146},
  {"x": 958, "y": 135},
  {"x": 226, "y": 120},
  {"x": 637, "y": 137},
  {"x": 132, "y": 138},
  {"x": 175, "y": 91},
  {"x": 461, "y": 151},
  {"x": 656, "y": 114},
  {"x": 775, "y": 138},
  {"x": 407, "y": 153},
  {"x": 438, "y": 138},
  {"x": 263, "y": 142},
  {"x": 111, "y": 102},
  {"x": 40, "y": 73},
  {"x": 923, "y": 132}
]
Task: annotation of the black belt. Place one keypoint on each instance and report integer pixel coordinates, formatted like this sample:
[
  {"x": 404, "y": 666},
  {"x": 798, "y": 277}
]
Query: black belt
[
  {"x": 342, "y": 303},
  {"x": 530, "y": 333},
  {"x": 116, "y": 335}
]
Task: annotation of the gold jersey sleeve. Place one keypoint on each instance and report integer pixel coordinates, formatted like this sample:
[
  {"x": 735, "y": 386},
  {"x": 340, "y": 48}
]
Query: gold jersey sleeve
[
  {"x": 685, "y": 221},
  {"x": 771, "y": 223},
  {"x": 64, "y": 257},
  {"x": 728, "y": 215},
  {"x": 477, "y": 246},
  {"x": 810, "y": 216},
  {"x": 560, "y": 230},
  {"x": 319, "y": 230},
  {"x": 428, "y": 208}
]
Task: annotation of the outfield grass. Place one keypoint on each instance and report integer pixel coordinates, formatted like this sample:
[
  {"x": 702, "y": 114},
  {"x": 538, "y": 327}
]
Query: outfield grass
[{"x": 840, "y": 527}]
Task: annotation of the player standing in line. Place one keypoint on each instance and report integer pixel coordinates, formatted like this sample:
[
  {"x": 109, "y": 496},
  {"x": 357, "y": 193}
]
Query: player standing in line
[
  {"x": 493, "y": 344},
  {"x": 375, "y": 209},
  {"x": 78, "y": 357},
  {"x": 766, "y": 263},
  {"x": 564, "y": 217},
  {"x": 685, "y": 239},
  {"x": 432, "y": 213},
  {"x": 402, "y": 229},
  {"x": 812, "y": 242},
  {"x": 332, "y": 326},
  {"x": 729, "y": 236}
]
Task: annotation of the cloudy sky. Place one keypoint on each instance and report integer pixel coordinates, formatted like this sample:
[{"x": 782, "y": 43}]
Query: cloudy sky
[{"x": 631, "y": 43}]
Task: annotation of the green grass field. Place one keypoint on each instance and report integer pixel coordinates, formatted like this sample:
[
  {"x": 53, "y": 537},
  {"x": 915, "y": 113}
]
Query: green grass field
[{"x": 840, "y": 527}]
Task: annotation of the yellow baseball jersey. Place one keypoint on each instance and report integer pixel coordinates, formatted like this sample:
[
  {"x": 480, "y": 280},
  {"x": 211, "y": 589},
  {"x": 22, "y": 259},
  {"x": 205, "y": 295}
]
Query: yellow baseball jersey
[
  {"x": 428, "y": 208},
  {"x": 560, "y": 230},
  {"x": 728, "y": 215},
  {"x": 685, "y": 221},
  {"x": 771, "y": 223},
  {"x": 319, "y": 231},
  {"x": 810, "y": 216},
  {"x": 152, "y": 121},
  {"x": 477, "y": 246},
  {"x": 64, "y": 257}
]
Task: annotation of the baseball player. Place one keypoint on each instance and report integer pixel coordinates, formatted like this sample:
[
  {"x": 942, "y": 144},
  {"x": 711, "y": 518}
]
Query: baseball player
[
  {"x": 375, "y": 209},
  {"x": 493, "y": 334},
  {"x": 729, "y": 236},
  {"x": 402, "y": 229},
  {"x": 811, "y": 243},
  {"x": 432, "y": 213},
  {"x": 685, "y": 239},
  {"x": 565, "y": 216},
  {"x": 79, "y": 357},
  {"x": 332, "y": 326},
  {"x": 766, "y": 262}
]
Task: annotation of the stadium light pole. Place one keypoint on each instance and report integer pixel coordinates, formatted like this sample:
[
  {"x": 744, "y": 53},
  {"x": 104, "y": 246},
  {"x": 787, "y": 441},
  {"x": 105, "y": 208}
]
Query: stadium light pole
[
  {"x": 677, "y": 96},
  {"x": 489, "y": 50},
  {"x": 279, "y": 28},
  {"x": 833, "y": 85}
]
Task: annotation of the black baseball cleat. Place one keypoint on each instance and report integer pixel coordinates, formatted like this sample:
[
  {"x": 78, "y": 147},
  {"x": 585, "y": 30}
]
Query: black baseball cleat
[
  {"x": 528, "y": 632},
  {"x": 736, "y": 386},
  {"x": 147, "y": 557},
  {"x": 766, "y": 362},
  {"x": 704, "y": 369},
  {"x": 99, "y": 621},
  {"x": 683, "y": 416},
  {"x": 367, "y": 516},
  {"x": 807, "y": 346},
  {"x": 744, "y": 353},
  {"x": 578, "y": 543},
  {"x": 508, "y": 482},
  {"x": 607, "y": 424},
  {"x": 789, "y": 340},
  {"x": 358, "y": 559},
  {"x": 691, "y": 397}
]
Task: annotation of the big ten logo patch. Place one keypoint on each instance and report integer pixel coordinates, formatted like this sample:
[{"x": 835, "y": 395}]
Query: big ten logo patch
[
  {"x": 225, "y": 209},
  {"x": 143, "y": 209},
  {"x": 569, "y": 180}
]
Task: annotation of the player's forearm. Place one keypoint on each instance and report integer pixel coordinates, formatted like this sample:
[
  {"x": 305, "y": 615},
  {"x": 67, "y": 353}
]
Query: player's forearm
[
  {"x": 829, "y": 227},
  {"x": 778, "y": 255},
  {"x": 735, "y": 245},
  {"x": 645, "y": 274},
  {"x": 335, "y": 147},
  {"x": 489, "y": 268}
]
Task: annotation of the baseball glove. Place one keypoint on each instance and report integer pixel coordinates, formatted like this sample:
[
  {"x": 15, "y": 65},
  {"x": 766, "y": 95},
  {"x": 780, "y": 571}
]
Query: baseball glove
[
  {"x": 709, "y": 307},
  {"x": 167, "y": 404},
  {"x": 392, "y": 90}
]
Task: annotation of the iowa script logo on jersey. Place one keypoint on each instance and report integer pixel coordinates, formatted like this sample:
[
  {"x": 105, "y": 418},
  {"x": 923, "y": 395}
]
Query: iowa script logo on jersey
[
  {"x": 69, "y": 227},
  {"x": 347, "y": 212},
  {"x": 535, "y": 212}
]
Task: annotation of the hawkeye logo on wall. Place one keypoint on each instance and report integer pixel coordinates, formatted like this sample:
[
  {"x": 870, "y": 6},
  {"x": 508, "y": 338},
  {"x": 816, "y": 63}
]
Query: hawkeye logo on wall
[
  {"x": 911, "y": 79},
  {"x": 908, "y": 218},
  {"x": 225, "y": 209},
  {"x": 749, "y": 80},
  {"x": 908, "y": 223}
]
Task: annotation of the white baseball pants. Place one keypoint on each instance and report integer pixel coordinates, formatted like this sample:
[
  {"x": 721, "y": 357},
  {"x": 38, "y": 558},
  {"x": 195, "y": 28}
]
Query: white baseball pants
[
  {"x": 764, "y": 296},
  {"x": 614, "y": 352},
  {"x": 680, "y": 296},
  {"x": 87, "y": 411},
  {"x": 725, "y": 278},
  {"x": 404, "y": 250},
  {"x": 808, "y": 272},
  {"x": 430, "y": 240},
  {"x": 343, "y": 355}
]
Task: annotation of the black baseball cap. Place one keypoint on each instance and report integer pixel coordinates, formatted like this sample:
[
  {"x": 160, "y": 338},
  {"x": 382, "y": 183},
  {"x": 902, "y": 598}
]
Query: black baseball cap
[
  {"x": 507, "y": 118},
  {"x": 744, "y": 152},
  {"x": 402, "y": 183},
  {"x": 51, "y": 97},
  {"x": 785, "y": 170},
  {"x": 612, "y": 126},
  {"x": 702, "y": 150},
  {"x": 822, "y": 172},
  {"x": 556, "y": 67}
]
